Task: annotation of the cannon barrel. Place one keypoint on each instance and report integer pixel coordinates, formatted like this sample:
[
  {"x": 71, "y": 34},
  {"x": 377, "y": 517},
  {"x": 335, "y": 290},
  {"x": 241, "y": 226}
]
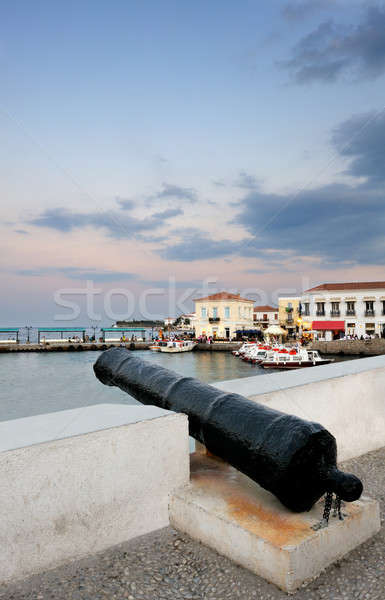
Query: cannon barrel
[{"x": 292, "y": 458}]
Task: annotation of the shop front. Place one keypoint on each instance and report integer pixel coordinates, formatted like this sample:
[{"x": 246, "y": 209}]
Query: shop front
[{"x": 329, "y": 330}]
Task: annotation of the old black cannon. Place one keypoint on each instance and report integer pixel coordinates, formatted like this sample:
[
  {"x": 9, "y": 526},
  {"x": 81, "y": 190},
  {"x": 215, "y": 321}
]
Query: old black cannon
[{"x": 292, "y": 458}]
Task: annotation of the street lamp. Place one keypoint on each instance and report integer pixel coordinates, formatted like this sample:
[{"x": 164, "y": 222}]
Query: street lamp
[{"x": 28, "y": 328}]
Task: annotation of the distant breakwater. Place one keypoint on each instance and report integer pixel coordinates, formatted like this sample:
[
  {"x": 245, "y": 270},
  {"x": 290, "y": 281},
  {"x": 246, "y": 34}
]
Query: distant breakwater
[{"x": 98, "y": 346}]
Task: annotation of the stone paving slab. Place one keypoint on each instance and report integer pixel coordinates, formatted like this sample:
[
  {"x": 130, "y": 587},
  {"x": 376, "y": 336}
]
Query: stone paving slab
[{"x": 166, "y": 565}]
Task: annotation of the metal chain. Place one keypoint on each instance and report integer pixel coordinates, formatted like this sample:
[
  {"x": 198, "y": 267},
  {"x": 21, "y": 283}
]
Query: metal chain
[
  {"x": 338, "y": 508},
  {"x": 327, "y": 508}
]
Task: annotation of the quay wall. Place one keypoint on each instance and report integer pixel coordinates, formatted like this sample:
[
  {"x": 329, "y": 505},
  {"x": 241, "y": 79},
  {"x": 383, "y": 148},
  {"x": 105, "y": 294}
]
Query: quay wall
[
  {"x": 78, "y": 481},
  {"x": 351, "y": 347},
  {"x": 97, "y": 346},
  {"x": 345, "y": 397}
]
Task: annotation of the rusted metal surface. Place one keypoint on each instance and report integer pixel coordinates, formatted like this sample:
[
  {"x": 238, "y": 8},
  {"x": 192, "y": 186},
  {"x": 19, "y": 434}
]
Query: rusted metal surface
[{"x": 292, "y": 458}]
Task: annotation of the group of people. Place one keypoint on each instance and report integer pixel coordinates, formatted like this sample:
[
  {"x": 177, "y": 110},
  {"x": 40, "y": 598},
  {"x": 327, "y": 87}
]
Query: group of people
[{"x": 365, "y": 336}]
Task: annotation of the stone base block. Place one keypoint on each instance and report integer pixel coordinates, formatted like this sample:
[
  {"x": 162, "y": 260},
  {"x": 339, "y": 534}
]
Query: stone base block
[{"x": 227, "y": 511}]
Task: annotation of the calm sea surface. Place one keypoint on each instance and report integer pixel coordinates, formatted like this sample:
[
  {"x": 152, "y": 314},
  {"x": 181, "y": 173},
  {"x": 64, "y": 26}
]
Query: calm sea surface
[{"x": 35, "y": 383}]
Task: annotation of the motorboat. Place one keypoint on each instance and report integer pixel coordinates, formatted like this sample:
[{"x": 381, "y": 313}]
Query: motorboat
[
  {"x": 155, "y": 347},
  {"x": 293, "y": 358},
  {"x": 174, "y": 346},
  {"x": 243, "y": 349}
]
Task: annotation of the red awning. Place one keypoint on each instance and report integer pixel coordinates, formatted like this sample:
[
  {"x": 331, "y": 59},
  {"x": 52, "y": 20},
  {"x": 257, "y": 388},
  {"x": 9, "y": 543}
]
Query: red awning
[{"x": 328, "y": 325}]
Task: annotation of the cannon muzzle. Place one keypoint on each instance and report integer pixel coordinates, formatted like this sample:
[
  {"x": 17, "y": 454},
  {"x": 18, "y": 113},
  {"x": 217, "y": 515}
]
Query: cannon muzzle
[{"x": 292, "y": 458}]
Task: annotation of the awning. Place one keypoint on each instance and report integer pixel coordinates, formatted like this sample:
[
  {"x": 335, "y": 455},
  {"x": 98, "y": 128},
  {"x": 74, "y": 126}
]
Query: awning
[{"x": 329, "y": 325}]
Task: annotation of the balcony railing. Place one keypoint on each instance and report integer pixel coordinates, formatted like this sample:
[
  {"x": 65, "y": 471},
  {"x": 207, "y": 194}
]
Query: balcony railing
[
  {"x": 335, "y": 313},
  {"x": 320, "y": 313},
  {"x": 350, "y": 313},
  {"x": 214, "y": 319},
  {"x": 369, "y": 313}
]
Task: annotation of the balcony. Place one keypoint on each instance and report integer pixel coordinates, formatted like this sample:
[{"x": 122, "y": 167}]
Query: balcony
[
  {"x": 320, "y": 313},
  {"x": 369, "y": 313},
  {"x": 214, "y": 319},
  {"x": 350, "y": 313},
  {"x": 335, "y": 313}
]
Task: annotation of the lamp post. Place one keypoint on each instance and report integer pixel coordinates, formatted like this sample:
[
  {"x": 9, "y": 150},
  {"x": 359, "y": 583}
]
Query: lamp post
[
  {"x": 28, "y": 328},
  {"x": 94, "y": 328}
]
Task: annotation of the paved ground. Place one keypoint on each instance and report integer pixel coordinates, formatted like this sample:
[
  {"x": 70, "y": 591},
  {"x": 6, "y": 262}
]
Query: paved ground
[{"x": 167, "y": 565}]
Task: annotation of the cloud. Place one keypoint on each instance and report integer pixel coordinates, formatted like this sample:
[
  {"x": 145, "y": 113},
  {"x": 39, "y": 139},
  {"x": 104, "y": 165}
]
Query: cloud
[
  {"x": 168, "y": 213},
  {"x": 77, "y": 273},
  {"x": 117, "y": 224},
  {"x": 22, "y": 231},
  {"x": 125, "y": 204},
  {"x": 362, "y": 138},
  {"x": 196, "y": 245},
  {"x": 331, "y": 226},
  {"x": 334, "y": 224},
  {"x": 246, "y": 181},
  {"x": 301, "y": 9},
  {"x": 332, "y": 51},
  {"x": 170, "y": 190}
]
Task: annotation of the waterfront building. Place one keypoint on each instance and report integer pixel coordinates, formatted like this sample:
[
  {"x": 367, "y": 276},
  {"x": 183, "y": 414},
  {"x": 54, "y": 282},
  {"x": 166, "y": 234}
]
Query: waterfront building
[
  {"x": 289, "y": 313},
  {"x": 169, "y": 321},
  {"x": 185, "y": 322},
  {"x": 222, "y": 315},
  {"x": 338, "y": 309},
  {"x": 264, "y": 316}
]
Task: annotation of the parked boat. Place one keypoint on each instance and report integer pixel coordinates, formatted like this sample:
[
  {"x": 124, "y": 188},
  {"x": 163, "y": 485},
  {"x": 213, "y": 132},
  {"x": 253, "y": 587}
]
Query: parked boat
[
  {"x": 178, "y": 346},
  {"x": 155, "y": 347},
  {"x": 293, "y": 358}
]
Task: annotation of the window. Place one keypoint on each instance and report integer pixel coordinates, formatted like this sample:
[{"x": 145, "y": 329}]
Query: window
[
  {"x": 369, "y": 308},
  {"x": 227, "y": 312},
  {"x": 320, "y": 309},
  {"x": 383, "y": 307},
  {"x": 265, "y": 317},
  {"x": 306, "y": 309},
  {"x": 350, "y": 308},
  {"x": 215, "y": 312},
  {"x": 203, "y": 312},
  {"x": 276, "y": 316},
  {"x": 335, "y": 311}
]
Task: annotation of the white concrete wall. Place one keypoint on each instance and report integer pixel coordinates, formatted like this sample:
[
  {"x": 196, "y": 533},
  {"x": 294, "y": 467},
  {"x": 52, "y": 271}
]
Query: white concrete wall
[
  {"x": 348, "y": 398},
  {"x": 76, "y": 482}
]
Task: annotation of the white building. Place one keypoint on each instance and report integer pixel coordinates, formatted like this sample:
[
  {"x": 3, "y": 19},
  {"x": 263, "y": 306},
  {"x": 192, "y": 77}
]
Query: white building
[
  {"x": 169, "y": 321},
  {"x": 336, "y": 309},
  {"x": 265, "y": 315},
  {"x": 186, "y": 322}
]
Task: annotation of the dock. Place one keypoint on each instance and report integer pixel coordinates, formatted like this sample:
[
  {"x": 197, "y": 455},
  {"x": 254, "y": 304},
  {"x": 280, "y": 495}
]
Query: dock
[{"x": 98, "y": 346}]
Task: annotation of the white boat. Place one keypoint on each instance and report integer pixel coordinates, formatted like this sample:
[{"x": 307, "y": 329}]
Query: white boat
[
  {"x": 178, "y": 346},
  {"x": 293, "y": 358}
]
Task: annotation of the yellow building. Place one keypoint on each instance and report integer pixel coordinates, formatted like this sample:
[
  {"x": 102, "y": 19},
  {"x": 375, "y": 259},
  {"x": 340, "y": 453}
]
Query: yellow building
[
  {"x": 289, "y": 313},
  {"x": 221, "y": 315}
]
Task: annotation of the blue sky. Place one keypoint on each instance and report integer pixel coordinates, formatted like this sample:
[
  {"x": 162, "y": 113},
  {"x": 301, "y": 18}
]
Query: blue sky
[{"x": 236, "y": 142}]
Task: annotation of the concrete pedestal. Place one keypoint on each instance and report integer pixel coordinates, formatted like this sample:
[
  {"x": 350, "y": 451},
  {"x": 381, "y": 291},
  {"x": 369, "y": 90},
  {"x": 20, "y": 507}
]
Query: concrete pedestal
[{"x": 227, "y": 511}]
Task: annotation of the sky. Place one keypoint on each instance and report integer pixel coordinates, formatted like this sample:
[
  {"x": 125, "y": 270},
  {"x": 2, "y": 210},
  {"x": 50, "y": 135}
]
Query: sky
[{"x": 152, "y": 152}]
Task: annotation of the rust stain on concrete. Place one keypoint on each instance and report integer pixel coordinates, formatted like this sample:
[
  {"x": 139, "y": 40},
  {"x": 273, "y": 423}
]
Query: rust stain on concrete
[{"x": 242, "y": 505}]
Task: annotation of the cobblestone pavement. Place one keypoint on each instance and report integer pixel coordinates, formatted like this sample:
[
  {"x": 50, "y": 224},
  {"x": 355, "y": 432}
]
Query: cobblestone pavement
[{"x": 167, "y": 565}]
